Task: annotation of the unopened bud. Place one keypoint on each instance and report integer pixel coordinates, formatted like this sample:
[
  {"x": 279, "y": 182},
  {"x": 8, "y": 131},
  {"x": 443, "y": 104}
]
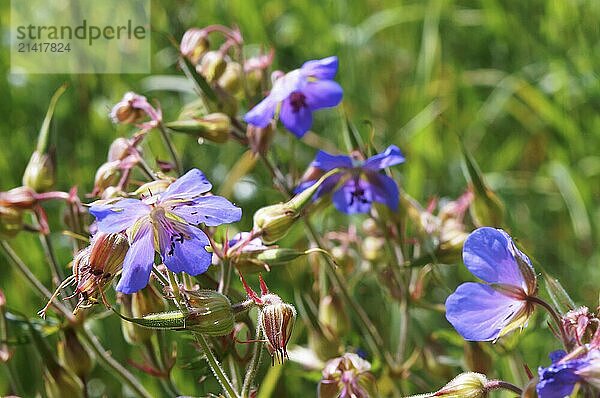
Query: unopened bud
[
  {"x": 18, "y": 198},
  {"x": 212, "y": 66},
  {"x": 119, "y": 149},
  {"x": 465, "y": 385},
  {"x": 40, "y": 172},
  {"x": 577, "y": 324},
  {"x": 194, "y": 44},
  {"x": 259, "y": 138},
  {"x": 107, "y": 175},
  {"x": 276, "y": 320},
  {"x": 214, "y": 127},
  {"x": 73, "y": 355},
  {"x": 11, "y": 222},
  {"x": 370, "y": 227},
  {"x": 231, "y": 79},
  {"x": 275, "y": 221},
  {"x": 347, "y": 376},
  {"x": 133, "y": 333}
]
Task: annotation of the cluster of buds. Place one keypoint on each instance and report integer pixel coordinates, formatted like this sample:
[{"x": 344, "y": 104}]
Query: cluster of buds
[
  {"x": 94, "y": 267},
  {"x": 348, "y": 376},
  {"x": 112, "y": 175},
  {"x": 275, "y": 318}
]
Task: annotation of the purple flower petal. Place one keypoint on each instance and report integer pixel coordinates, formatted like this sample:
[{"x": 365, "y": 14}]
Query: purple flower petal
[
  {"x": 384, "y": 189},
  {"x": 392, "y": 156},
  {"x": 286, "y": 85},
  {"x": 138, "y": 261},
  {"x": 209, "y": 210},
  {"x": 558, "y": 380},
  {"x": 325, "y": 68},
  {"x": 323, "y": 94},
  {"x": 326, "y": 161},
  {"x": 118, "y": 216},
  {"x": 353, "y": 197},
  {"x": 189, "y": 255},
  {"x": 262, "y": 114},
  {"x": 297, "y": 120},
  {"x": 189, "y": 186},
  {"x": 326, "y": 187},
  {"x": 480, "y": 313},
  {"x": 488, "y": 254}
]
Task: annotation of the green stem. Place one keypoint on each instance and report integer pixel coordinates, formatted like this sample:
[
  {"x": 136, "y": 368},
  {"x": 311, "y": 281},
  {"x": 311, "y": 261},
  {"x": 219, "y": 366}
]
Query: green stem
[
  {"x": 170, "y": 147},
  {"x": 146, "y": 169},
  {"x": 33, "y": 281},
  {"x": 216, "y": 367},
  {"x": 255, "y": 361},
  {"x": 225, "y": 279},
  {"x": 177, "y": 293},
  {"x": 112, "y": 366}
]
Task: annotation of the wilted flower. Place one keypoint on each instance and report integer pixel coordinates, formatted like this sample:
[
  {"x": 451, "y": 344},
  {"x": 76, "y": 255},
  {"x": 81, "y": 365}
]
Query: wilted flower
[
  {"x": 483, "y": 312},
  {"x": 132, "y": 108},
  {"x": 297, "y": 94},
  {"x": 166, "y": 223},
  {"x": 194, "y": 44},
  {"x": 465, "y": 385},
  {"x": 348, "y": 376},
  {"x": 578, "y": 324},
  {"x": 19, "y": 198},
  {"x": 559, "y": 379},
  {"x": 360, "y": 183}
]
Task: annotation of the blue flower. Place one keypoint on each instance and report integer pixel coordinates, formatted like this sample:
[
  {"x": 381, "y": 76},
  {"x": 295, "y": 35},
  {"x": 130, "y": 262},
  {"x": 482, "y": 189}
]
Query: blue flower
[
  {"x": 487, "y": 311},
  {"x": 559, "y": 379},
  {"x": 297, "y": 94},
  {"x": 360, "y": 183},
  {"x": 166, "y": 223}
]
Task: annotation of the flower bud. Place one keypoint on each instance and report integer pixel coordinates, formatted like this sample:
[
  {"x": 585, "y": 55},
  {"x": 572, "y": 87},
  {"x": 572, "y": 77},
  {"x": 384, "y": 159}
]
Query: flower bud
[
  {"x": 348, "y": 376},
  {"x": 73, "y": 355},
  {"x": 133, "y": 333},
  {"x": 146, "y": 301},
  {"x": 40, "y": 173},
  {"x": 119, "y": 149},
  {"x": 214, "y": 127},
  {"x": 194, "y": 44},
  {"x": 465, "y": 385},
  {"x": 332, "y": 317},
  {"x": 231, "y": 79},
  {"x": 275, "y": 221},
  {"x": 107, "y": 175},
  {"x": 18, "y": 198},
  {"x": 372, "y": 248},
  {"x": 259, "y": 138},
  {"x": 212, "y": 66},
  {"x": 11, "y": 222},
  {"x": 276, "y": 320}
]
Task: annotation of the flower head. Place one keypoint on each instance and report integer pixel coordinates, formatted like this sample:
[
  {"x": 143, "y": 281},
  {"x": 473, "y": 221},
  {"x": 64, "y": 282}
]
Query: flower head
[
  {"x": 132, "y": 108},
  {"x": 166, "y": 223},
  {"x": 559, "y": 379},
  {"x": 360, "y": 183},
  {"x": 487, "y": 311},
  {"x": 297, "y": 94}
]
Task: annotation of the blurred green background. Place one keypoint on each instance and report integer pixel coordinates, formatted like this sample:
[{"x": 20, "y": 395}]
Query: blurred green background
[{"x": 518, "y": 80}]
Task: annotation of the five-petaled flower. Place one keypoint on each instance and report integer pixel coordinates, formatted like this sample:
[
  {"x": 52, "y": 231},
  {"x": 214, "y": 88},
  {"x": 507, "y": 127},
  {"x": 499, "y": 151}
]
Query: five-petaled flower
[
  {"x": 166, "y": 223},
  {"x": 297, "y": 94},
  {"x": 558, "y": 380},
  {"x": 360, "y": 183},
  {"x": 484, "y": 312}
]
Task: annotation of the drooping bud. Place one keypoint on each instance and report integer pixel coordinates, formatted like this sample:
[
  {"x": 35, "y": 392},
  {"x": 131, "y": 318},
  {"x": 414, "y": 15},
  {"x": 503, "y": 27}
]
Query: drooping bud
[
  {"x": 40, "y": 173},
  {"x": 119, "y": 149},
  {"x": 132, "y": 108},
  {"x": 107, "y": 175},
  {"x": 276, "y": 320},
  {"x": 11, "y": 222},
  {"x": 194, "y": 44},
  {"x": 275, "y": 221},
  {"x": 212, "y": 66},
  {"x": 214, "y": 127},
  {"x": 259, "y": 138},
  {"x": 18, "y": 198},
  {"x": 73, "y": 355},
  {"x": 465, "y": 385},
  {"x": 231, "y": 78},
  {"x": 348, "y": 376}
]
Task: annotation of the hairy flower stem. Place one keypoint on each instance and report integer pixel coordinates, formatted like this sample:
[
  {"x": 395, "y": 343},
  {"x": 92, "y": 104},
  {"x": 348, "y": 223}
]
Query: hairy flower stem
[
  {"x": 170, "y": 147},
  {"x": 338, "y": 281},
  {"x": 111, "y": 365},
  {"x": 254, "y": 362},
  {"x": 33, "y": 281},
  {"x": 216, "y": 367},
  {"x": 504, "y": 385},
  {"x": 555, "y": 317}
]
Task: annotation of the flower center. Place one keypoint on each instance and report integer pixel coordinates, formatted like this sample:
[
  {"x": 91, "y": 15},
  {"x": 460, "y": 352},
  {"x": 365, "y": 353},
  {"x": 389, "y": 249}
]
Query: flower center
[
  {"x": 169, "y": 230},
  {"x": 298, "y": 101},
  {"x": 358, "y": 194}
]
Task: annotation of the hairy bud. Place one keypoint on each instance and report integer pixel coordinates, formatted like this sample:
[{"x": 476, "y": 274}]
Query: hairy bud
[
  {"x": 276, "y": 320},
  {"x": 40, "y": 173},
  {"x": 231, "y": 79},
  {"x": 107, "y": 175},
  {"x": 465, "y": 385}
]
